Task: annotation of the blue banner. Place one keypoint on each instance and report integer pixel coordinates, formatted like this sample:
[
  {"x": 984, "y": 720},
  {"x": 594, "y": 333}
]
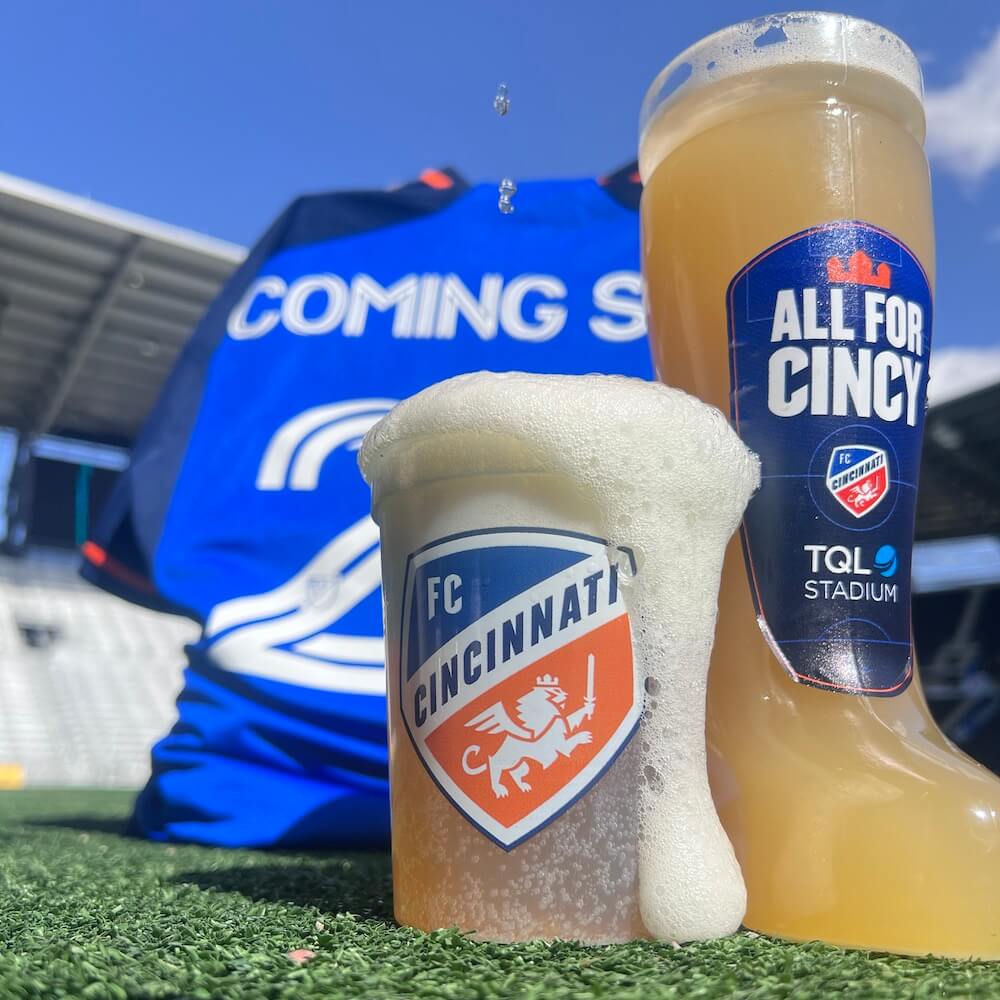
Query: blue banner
[{"x": 244, "y": 507}]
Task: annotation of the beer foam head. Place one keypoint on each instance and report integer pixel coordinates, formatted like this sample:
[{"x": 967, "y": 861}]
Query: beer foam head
[
  {"x": 598, "y": 429},
  {"x": 669, "y": 479},
  {"x": 755, "y": 48}
]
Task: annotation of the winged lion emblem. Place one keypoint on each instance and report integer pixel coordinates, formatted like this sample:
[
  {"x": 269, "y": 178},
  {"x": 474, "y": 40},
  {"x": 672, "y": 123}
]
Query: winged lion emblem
[{"x": 542, "y": 734}]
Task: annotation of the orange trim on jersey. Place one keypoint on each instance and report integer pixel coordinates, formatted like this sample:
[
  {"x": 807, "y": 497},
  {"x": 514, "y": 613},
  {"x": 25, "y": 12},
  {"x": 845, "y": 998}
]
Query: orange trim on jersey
[
  {"x": 97, "y": 556},
  {"x": 633, "y": 178},
  {"x": 436, "y": 179}
]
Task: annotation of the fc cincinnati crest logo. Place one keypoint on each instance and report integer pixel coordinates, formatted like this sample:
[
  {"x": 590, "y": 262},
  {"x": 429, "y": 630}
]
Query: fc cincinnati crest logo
[
  {"x": 858, "y": 477},
  {"x": 517, "y": 682}
]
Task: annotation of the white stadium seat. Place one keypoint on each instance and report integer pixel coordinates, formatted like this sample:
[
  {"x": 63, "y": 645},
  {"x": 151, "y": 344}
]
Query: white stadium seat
[{"x": 87, "y": 681}]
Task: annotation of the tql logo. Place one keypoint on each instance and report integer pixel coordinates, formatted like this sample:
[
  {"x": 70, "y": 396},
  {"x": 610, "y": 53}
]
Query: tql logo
[
  {"x": 858, "y": 477},
  {"x": 517, "y": 685}
]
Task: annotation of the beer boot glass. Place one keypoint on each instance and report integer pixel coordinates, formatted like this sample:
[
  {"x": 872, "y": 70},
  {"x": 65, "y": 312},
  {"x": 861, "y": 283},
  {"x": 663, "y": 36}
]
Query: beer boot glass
[{"x": 788, "y": 250}]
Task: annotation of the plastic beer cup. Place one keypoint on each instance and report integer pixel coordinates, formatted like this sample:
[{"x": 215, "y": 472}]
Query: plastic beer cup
[{"x": 546, "y": 726}]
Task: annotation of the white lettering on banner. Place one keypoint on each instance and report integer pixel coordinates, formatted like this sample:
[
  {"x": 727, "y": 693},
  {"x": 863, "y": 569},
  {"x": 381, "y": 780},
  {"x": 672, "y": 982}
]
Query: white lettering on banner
[
  {"x": 295, "y": 455},
  {"x": 549, "y": 319},
  {"x": 266, "y": 293},
  {"x": 366, "y": 291},
  {"x": 430, "y": 291},
  {"x": 327, "y": 292},
  {"x": 629, "y": 306},
  {"x": 480, "y": 314},
  {"x": 282, "y": 634},
  {"x": 528, "y": 307},
  {"x": 286, "y": 634}
]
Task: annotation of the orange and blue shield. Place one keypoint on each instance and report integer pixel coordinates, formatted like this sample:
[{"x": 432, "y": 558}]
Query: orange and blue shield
[
  {"x": 517, "y": 682},
  {"x": 858, "y": 477}
]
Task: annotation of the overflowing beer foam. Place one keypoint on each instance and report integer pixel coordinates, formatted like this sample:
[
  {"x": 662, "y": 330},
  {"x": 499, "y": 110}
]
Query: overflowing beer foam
[
  {"x": 830, "y": 46},
  {"x": 670, "y": 480}
]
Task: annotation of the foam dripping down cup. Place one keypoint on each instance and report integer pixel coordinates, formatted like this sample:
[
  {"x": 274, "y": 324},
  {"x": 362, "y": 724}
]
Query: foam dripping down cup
[{"x": 551, "y": 553}]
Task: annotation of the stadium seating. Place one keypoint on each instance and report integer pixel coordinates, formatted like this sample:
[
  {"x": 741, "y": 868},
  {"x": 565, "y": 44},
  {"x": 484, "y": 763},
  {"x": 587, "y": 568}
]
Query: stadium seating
[{"x": 88, "y": 682}]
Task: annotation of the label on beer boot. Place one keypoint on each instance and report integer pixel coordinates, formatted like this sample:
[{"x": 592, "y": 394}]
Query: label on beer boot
[
  {"x": 830, "y": 335},
  {"x": 517, "y": 682}
]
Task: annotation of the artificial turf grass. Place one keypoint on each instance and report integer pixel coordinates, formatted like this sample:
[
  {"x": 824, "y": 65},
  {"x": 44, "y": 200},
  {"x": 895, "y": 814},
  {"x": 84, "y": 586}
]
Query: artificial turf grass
[{"x": 85, "y": 912}]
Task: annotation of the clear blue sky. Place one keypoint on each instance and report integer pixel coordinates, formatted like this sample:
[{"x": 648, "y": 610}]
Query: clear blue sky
[{"x": 211, "y": 114}]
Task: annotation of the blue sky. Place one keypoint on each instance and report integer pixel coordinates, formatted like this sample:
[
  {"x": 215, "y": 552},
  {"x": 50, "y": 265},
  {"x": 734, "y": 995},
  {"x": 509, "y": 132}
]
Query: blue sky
[{"x": 212, "y": 114}]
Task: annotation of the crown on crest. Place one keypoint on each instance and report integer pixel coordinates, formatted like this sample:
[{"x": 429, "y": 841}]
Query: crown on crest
[
  {"x": 547, "y": 681},
  {"x": 860, "y": 270}
]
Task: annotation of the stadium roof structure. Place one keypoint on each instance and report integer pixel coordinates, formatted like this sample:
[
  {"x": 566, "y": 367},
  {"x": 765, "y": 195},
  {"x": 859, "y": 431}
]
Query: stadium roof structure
[
  {"x": 960, "y": 475},
  {"x": 95, "y": 304}
]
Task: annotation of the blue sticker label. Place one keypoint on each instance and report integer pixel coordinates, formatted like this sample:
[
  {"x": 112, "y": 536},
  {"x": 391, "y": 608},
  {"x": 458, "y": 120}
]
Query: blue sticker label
[{"x": 830, "y": 335}]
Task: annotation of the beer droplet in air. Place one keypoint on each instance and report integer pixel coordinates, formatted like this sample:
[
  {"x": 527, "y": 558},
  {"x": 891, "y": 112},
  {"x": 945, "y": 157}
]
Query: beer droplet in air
[
  {"x": 501, "y": 105},
  {"x": 501, "y": 100},
  {"x": 507, "y": 191}
]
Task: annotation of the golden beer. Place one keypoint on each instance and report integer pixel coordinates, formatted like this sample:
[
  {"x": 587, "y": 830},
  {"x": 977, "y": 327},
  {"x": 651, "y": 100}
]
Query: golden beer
[{"x": 854, "y": 819}]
